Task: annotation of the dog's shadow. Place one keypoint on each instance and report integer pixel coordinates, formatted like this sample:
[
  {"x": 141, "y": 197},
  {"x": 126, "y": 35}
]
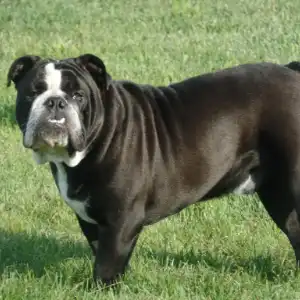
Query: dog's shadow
[
  {"x": 265, "y": 267},
  {"x": 7, "y": 114},
  {"x": 23, "y": 252}
]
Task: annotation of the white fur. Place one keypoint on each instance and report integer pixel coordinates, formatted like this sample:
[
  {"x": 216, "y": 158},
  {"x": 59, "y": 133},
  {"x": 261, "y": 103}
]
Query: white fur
[
  {"x": 53, "y": 81},
  {"x": 71, "y": 161},
  {"x": 53, "y": 78},
  {"x": 78, "y": 206},
  {"x": 247, "y": 186},
  {"x": 60, "y": 121}
]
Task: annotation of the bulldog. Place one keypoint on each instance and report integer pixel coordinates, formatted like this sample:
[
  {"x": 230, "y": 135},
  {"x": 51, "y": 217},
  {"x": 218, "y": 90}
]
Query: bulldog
[{"x": 126, "y": 155}]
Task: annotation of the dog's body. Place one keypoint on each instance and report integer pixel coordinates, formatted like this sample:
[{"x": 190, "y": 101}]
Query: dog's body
[{"x": 135, "y": 154}]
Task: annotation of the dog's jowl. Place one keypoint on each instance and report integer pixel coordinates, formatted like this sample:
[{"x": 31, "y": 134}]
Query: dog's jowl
[{"x": 125, "y": 155}]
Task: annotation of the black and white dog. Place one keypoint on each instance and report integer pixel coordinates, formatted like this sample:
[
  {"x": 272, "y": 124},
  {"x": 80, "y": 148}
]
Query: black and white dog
[{"x": 125, "y": 155}]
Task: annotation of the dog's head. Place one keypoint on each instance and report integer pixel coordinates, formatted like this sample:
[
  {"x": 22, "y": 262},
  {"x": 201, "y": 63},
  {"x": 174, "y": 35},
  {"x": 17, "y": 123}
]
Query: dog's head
[{"x": 59, "y": 106}]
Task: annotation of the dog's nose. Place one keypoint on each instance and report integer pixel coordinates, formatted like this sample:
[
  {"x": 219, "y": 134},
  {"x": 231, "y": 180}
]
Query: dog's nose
[{"x": 56, "y": 103}]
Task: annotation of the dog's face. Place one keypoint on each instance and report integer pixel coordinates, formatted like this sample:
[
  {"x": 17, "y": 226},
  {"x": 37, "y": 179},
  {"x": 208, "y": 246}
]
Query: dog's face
[{"x": 58, "y": 104}]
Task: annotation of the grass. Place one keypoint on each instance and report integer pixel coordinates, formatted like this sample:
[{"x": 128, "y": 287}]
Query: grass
[{"x": 226, "y": 249}]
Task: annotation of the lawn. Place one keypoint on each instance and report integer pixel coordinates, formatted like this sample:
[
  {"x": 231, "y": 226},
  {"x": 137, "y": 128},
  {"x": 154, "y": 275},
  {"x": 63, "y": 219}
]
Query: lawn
[{"x": 222, "y": 249}]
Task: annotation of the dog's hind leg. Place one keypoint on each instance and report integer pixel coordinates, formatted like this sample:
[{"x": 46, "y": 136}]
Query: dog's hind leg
[
  {"x": 280, "y": 195},
  {"x": 293, "y": 220}
]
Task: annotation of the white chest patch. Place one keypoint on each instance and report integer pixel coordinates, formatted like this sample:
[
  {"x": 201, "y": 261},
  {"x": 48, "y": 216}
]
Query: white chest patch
[{"x": 79, "y": 207}]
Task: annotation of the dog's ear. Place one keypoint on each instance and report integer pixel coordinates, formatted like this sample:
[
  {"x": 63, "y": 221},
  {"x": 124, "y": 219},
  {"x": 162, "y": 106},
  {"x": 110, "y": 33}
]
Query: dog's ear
[
  {"x": 95, "y": 66},
  {"x": 293, "y": 65},
  {"x": 20, "y": 67}
]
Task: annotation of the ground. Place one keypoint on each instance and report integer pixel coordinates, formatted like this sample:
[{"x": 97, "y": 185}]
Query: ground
[{"x": 223, "y": 249}]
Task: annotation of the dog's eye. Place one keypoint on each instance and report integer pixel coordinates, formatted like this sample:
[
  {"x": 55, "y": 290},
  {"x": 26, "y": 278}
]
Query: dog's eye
[
  {"x": 78, "y": 96},
  {"x": 29, "y": 98},
  {"x": 39, "y": 87}
]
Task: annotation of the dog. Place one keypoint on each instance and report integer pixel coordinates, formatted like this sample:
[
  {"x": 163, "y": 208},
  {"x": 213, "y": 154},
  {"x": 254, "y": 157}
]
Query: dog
[{"x": 125, "y": 155}]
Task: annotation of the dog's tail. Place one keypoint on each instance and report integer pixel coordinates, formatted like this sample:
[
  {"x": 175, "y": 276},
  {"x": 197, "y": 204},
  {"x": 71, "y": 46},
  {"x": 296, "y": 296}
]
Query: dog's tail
[{"x": 294, "y": 65}]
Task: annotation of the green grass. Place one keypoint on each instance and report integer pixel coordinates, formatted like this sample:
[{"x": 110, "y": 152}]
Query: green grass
[{"x": 226, "y": 249}]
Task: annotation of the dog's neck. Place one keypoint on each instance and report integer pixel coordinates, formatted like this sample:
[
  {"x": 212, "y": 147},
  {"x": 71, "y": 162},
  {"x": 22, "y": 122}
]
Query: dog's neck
[
  {"x": 136, "y": 118},
  {"x": 101, "y": 141}
]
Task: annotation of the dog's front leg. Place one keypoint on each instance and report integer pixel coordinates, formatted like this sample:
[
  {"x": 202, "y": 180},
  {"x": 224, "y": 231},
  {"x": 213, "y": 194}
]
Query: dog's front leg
[
  {"x": 90, "y": 231},
  {"x": 114, "y": 249}
]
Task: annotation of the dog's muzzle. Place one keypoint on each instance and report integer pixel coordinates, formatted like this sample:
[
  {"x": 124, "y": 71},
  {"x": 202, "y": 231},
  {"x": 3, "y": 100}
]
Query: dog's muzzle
[{"x": 47, "y": 126}]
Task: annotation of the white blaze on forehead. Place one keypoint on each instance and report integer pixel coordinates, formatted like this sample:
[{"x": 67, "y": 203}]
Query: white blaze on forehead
[
  {"x": 53, "y": 80},
  {"x": 52, "y": 77}
]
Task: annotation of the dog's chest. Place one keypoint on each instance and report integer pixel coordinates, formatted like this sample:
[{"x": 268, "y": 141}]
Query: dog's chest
[{"x": 79, "y": 206}]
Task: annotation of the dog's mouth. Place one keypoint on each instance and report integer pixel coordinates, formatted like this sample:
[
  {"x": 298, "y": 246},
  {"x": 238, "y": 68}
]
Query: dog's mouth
[
  {"x": 54, "y": 137},
  {"x": 49, "y": 141},
  {"x": 48, "y": 136}
]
